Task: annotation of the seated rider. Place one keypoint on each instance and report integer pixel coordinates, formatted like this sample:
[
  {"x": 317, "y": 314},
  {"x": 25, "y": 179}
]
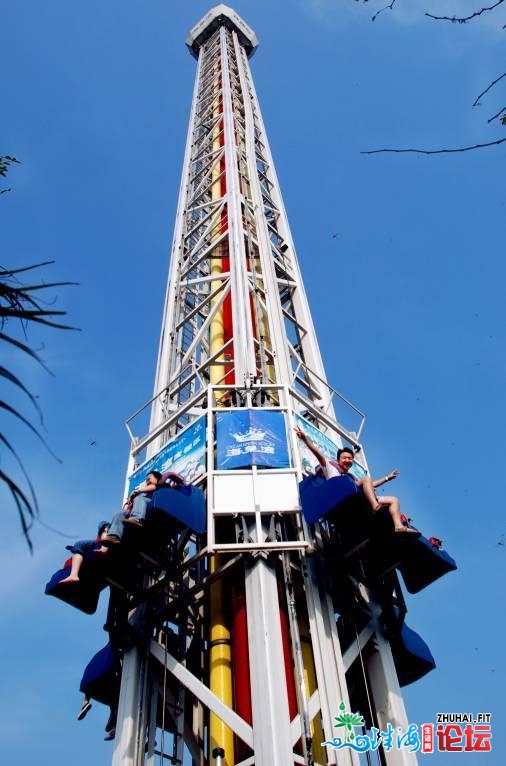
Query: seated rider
[
  {"x": 134, "y": 510},
  {"x": 82, "y": 548},
  {"x": 345, "y": 457}
]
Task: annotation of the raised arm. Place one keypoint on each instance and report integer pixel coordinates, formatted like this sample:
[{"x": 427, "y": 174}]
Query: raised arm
[
  {"x": 149, "y": 486},
  {"x": 307, "y": 441},
  {"x": 392, "y": 475}
]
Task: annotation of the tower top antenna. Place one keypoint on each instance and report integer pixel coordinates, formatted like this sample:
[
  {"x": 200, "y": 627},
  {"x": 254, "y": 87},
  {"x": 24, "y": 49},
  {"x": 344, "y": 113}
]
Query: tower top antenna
[{"x": 221, "y": 15}]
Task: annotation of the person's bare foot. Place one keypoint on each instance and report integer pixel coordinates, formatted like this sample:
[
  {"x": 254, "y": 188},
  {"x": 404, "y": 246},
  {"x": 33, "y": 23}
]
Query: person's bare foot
[
  {"x": 102, "y": 549},
  {"x": 68, "y": 579}
]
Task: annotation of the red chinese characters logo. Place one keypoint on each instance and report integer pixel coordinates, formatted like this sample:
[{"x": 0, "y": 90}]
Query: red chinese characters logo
[{"x": 472, "y": 738}]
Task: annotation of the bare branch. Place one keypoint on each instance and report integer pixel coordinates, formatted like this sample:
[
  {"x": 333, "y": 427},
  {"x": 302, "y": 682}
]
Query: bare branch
[
  {"x": 437, "y": 151},
  {"x": 386, "y": 8},
  {"x": 465, "y": 19},
  {"x": 477, "y": 99},
  {"x": 501, "y": 111},
  {"x": 500, "y": 114}
]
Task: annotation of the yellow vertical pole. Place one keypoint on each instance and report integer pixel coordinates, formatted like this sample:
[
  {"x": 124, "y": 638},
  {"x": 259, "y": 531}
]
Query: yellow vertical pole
[
  {"x": 319, "y": 754},
  {"x": 220, "y": 681}
]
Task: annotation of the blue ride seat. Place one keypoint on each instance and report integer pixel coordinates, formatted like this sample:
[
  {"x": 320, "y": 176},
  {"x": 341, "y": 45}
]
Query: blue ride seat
[
  {"x": 101, "y": 678},
  {"x": 320, "y": 497},
  {"x": 412, "y": 656},
  {"x": 176, "y": 508},
  {"x": 353, "y": 525},
  {"x": 84, "y": 594},
  {"x": 426, "y": 563},
  {"x": 338, "y": 501},
  {"x": 170, "y": 511}
]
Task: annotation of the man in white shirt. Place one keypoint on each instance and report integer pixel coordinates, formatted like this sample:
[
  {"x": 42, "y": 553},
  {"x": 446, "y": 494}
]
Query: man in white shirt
[{"x": 341, "y": 467}]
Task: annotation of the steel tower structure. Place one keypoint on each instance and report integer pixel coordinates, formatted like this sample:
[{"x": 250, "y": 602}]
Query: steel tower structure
[{"x": 237, "y": 657}]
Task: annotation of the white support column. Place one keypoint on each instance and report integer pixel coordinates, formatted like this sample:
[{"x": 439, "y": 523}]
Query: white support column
[
  {"x": 130, "y": 728},
  {"x": 281, "y": 360},
  {"x": 330, "y": 672},
  {"x": 271, "y": 718},
  {"x": 241, "y": 312},
  {"x": 387, "y": 697}
]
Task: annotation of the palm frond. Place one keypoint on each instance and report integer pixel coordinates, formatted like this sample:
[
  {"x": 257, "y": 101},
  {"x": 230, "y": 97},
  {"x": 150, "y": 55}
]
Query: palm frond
[
  {"x": 34, "y": 506},
  {"x": 16, "y": 414},
  {"x": 18, "y": 302},
  {"x": 25, "y": 348},
  {"x": 23, "y": 505},
  {"x": 39, "y": 315},
  {"x": 8, "y": 375}
]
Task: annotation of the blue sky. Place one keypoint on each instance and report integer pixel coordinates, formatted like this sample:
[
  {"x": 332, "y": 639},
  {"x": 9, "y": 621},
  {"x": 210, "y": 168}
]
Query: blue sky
[{"x": 401, "y": 256}]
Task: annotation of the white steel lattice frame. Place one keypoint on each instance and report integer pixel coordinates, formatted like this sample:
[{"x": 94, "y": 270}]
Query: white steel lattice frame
[{"x": 230, "y": 210}]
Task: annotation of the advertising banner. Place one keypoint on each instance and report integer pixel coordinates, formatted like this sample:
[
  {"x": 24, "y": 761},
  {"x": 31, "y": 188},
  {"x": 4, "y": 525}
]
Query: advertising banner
[
  {"x": 251, "y": 437},
  {"x": 186, "y": 455}
]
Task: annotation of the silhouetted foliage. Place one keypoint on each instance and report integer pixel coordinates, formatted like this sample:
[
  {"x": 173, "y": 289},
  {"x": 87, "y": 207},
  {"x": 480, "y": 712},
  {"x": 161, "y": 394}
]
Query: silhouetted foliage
[
  {"x": 21, "y": 305},
  {"x": 5, "y": 163}
]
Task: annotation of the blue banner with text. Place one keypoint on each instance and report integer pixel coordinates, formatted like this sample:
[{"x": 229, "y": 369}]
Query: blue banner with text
[
  {"x": 186, "y": 455},
  {"x": 251, "y": 437}
]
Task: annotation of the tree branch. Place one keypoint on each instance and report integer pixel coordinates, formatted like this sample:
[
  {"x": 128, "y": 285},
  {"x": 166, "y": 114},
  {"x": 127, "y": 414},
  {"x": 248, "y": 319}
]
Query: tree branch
[
  {"x": 437, "y": 151},
  {"x": 498, "y": 115},
  {"x": 465, "y": 19},
  {"x": 477, "y": 99},
  {"x": 386, "y": 8}
]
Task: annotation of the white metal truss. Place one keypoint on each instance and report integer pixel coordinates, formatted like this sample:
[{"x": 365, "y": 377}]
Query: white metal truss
[
  {"x": 230, "y": 210},
  {"x": 237, "y": 332}
]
